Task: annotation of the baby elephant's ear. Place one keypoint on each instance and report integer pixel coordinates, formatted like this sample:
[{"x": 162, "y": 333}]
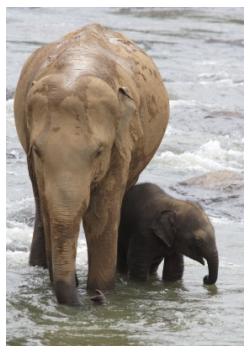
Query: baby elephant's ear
[{"x": 163, "y": 226}]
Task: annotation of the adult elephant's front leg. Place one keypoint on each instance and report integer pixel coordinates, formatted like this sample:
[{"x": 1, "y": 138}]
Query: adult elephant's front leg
[
  {"x": 101, "y": 230},
  {"x": 101, "y": 222}
]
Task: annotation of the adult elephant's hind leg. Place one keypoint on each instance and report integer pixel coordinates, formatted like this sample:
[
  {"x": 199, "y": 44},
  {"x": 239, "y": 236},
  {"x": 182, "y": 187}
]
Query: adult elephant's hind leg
[{"x": 37, "y": 251}]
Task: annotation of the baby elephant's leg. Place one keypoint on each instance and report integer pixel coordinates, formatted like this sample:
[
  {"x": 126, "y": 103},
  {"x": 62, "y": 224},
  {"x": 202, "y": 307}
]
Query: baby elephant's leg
[
  {"x": 139, "y": 259},
  {"x": 173, "y": 267},
  {"x": 122, "y": 264},
  {"x": 155, "y": 264}
]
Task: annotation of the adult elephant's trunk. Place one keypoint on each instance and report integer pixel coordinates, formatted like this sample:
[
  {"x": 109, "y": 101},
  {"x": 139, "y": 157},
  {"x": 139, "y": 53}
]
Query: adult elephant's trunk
[
  {"x": 213, "y": 265},
  {"x": 64, "y": 245},
  {"x": 65, "y": 204}
]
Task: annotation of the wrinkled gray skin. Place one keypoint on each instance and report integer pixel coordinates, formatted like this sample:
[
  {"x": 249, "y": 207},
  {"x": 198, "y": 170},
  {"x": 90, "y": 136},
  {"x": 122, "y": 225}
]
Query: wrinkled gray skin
[{"x": 154, "y": 226}]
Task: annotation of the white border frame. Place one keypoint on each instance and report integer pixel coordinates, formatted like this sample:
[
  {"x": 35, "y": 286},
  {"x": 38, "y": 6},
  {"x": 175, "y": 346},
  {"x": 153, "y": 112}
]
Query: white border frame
[{"x": 189, "y": 350}]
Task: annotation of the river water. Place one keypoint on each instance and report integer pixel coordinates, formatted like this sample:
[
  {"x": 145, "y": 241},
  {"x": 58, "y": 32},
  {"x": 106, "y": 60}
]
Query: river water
[{"x": 199, "y": 52}]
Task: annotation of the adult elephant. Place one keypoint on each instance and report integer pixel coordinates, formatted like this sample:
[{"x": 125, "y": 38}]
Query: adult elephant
[
  {"x": 155, "y": 226},
  {"x": 90, "y": 112}
]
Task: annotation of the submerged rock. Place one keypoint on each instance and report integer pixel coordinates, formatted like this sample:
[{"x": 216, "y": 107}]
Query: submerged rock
[
  {"x": 222, "y": 179},
  {"x": 221, "y": 193}
]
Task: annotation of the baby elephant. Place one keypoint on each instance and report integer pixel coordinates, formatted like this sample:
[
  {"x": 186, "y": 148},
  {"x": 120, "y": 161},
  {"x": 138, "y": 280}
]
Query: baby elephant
[{"x": 155, "y": 226}]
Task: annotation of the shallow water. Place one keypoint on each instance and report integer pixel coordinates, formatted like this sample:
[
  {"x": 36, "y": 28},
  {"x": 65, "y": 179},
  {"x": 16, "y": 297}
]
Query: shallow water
[{"x": 200, "y": 55}]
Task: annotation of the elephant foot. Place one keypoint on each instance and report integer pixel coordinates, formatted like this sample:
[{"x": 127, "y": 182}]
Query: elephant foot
[
  {"x": 66, "y": 294},
  {"x": 99, "y": 298},
  {"x": 39, "y": 261}
]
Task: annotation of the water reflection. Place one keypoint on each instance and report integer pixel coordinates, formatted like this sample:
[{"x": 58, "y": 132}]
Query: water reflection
[{"x": 211, "y": 289}]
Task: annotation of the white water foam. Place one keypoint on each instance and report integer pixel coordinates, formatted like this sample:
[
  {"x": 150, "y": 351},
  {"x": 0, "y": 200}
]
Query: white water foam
[
  {"x": 179, "y": 102},
  {"x": 18, "y": 241},
  {"x": 18, "y": 236},
  {"x": 210, "y": 156}
]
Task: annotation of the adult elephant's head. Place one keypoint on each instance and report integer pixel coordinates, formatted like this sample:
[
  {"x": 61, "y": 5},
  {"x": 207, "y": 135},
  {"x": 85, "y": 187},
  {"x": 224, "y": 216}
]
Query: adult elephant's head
[
  {"x": 75, "y": 129},
  {"x": 72, "y": 134},
  {"x": 188, "y": 230}
]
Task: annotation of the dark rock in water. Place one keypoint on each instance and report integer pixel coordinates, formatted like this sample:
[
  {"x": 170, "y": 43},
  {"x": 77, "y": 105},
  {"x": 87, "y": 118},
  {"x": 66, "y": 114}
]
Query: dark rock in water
[{"x": 223, "y": 179}]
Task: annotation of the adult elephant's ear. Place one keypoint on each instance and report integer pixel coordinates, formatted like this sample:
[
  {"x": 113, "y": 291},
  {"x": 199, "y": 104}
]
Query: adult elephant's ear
[
  {"x": 129, "y": 129},
  {"x": 127, "y": 102},
  {"x": 163, "y": 227},
  {"x": 125, "y": 91}
]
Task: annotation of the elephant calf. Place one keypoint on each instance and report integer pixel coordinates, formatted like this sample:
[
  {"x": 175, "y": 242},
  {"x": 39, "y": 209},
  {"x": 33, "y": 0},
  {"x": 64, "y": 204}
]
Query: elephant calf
[{"x": 155, "y": 226}]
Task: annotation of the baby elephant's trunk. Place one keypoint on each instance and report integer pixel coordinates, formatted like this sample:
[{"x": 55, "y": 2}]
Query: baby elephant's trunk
[{"x": 213, "y": 265}]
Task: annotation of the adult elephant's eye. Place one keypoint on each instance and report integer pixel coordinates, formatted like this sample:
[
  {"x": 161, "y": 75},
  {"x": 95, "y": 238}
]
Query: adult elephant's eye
[
  {"x": 99, "y": 151},
  {"x": 37, "y": 151}
]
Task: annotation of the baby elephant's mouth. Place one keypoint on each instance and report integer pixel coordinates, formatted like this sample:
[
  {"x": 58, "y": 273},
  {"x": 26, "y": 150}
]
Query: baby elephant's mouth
[
  {"x": 200, "y": 260},
  {"x": 196, "y": 257}
]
